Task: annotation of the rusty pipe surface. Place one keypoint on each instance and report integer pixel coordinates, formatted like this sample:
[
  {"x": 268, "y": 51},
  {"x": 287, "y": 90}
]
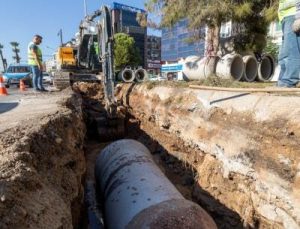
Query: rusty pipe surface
[{"x": 138, "y": 195}]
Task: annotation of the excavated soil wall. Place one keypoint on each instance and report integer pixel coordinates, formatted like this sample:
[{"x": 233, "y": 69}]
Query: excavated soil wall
[
  {"x": 237, "y": 156},
  {"x": 245, "y": 162},
  {"x": 42, "y": 166}
]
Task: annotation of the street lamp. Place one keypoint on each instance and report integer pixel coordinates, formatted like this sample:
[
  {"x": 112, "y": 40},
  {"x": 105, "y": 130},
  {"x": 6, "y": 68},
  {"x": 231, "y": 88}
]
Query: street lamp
[{"x": 85, "y": 8}]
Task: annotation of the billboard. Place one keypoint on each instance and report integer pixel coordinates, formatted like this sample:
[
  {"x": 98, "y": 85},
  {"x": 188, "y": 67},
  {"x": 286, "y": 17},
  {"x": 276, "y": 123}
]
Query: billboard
[
  {"x": 172, "y": 68},
  {"x": 132, "y": 9}
]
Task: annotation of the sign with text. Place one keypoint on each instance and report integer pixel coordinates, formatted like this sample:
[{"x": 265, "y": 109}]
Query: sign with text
[
  {"x": 172, "y": 68},
  {"x": 127, "y": 8}
]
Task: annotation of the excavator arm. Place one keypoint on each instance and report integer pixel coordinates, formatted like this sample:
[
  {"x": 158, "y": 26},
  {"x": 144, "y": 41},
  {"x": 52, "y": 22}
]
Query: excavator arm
[{"x": 105, "y": 42}]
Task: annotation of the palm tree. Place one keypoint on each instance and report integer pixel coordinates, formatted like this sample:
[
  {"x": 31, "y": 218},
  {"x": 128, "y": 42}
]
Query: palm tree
[
  {"x": 2, "y": 58},
  {"x": 15, "y": 49}
]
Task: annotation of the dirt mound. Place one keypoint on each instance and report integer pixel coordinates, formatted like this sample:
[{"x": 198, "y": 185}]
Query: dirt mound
[
  {"x": 89, "y": 90},
  {"x": 41, "y": 169}
]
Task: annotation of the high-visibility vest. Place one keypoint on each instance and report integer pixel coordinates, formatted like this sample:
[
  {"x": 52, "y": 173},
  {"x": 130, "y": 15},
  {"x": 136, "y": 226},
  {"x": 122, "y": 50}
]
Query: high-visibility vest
[
  {"x": 286, "y": 8},
  {"x": 31, "y": 59},
  {"x": 96, "y": 47}
]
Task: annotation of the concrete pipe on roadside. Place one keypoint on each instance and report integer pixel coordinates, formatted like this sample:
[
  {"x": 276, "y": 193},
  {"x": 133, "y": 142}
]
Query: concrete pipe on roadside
[
  {"x": 126, "y": 75},
  {"x": 230, "y": 66},
  {"x": 266, "y": 68},
  {"x": 251, "y": 68},
  {"x": 138, "y": 195},
  {"x": 196, "y": 68},
  {"x": 141, "y": 75}
]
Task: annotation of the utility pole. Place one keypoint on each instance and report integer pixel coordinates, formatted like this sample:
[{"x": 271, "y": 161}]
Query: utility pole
[
  {"x": 85, "y": 8},
  {"x": 15, "y": 49},
  {"x": 4, "y": 63},
  {"x": 60, "y": 34}
]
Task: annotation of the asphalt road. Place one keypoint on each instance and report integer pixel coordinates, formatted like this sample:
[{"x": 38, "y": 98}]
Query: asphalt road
[{"x": 14, "y": 97}]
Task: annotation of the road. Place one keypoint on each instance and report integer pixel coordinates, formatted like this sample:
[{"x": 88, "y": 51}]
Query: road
[
  {"x": 14, "y": 97},
  {"x": 10, "y": 102},
  {"x": 19, "y": 105}
]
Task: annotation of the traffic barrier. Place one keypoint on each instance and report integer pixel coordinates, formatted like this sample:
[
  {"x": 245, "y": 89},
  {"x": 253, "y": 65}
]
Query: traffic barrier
[
  {"x": 3, "y": 90},
  {"x": 22, "y": 85}
]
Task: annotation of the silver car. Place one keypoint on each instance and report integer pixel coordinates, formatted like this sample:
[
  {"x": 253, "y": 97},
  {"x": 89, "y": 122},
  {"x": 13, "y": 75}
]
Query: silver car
[{"x": 47, "y": 78}]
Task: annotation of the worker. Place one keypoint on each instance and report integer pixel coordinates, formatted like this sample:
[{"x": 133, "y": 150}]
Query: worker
[
  {"x": 289, "y": 55},
  {"x": 35, "y": 59}
]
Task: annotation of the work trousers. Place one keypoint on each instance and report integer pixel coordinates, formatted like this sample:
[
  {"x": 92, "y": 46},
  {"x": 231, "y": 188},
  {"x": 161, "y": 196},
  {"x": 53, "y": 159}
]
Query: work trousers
[
  {"x": 289, "y": 55},
  {"x": 37, "y": 79}
]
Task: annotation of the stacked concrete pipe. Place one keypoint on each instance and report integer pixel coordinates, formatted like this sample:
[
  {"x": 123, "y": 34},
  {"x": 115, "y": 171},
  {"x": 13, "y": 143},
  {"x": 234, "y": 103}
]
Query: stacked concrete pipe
[
  {"x": 266, "y": 68},
  {"x": 140, "y": 75},
  {"x": 230, "y": 66},
  {"x": 251, "y": 68},
  {"x": 195, "y": 68},
  {"x": 126, "y": 75},
  {"x": 138, "y": 195}
]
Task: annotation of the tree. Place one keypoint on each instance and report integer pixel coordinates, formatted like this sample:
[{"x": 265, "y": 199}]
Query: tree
[
  {"x": 125, "y": 52},
  {"x": 15, "y": 49},
  {"x": 272, "y": 48},
  {"x": 2, "y": 58},
  {"x": 255, "y": 25},
  {"x": 253, "y": 14}
]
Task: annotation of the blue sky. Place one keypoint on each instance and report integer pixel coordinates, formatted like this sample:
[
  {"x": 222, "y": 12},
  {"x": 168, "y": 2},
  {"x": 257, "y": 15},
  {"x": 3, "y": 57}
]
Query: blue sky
[{"x": 21, "y": 19}]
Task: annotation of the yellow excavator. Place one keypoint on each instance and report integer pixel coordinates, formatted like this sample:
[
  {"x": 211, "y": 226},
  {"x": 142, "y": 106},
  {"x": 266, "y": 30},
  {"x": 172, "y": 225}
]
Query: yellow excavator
[
  {"x": 91, "y": 59},
  {"x": 82, "y": 59},
  {"x": 65, "y": 58}
]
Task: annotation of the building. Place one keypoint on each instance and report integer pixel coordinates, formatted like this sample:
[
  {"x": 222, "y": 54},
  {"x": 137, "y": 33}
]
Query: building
[
  {"x": 275, "y": 32},
  {"x": 153, "y": 53},
  {"x": 124, "y": 19},
  {"x": 176, "y": 45}
]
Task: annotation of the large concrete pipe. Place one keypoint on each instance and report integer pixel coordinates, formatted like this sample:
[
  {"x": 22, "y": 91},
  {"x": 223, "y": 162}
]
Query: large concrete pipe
[
  {"x": 230, "y": 66},
  {"x": 141, "y": 75},
  {"x": 126, "y": 75},
  {"x": 251, "y": 68},
  {"x": 138, "y": 195},
  {"x": 266, "y": 68},
  {"x": 195, "y": 68}
]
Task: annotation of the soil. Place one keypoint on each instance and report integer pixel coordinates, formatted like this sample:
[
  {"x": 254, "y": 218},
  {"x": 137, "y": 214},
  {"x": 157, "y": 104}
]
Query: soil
[
  {"x": 42, "y": 166},
  {"x": 245, "y": 173},
  {"x": 251, "y": 160}
]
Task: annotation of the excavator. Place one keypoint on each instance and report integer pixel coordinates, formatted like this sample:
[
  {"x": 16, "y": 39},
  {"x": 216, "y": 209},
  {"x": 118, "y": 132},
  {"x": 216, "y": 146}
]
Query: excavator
[
  {"x": 90, "y": 60},
  {"x": 81, "y": 59}
]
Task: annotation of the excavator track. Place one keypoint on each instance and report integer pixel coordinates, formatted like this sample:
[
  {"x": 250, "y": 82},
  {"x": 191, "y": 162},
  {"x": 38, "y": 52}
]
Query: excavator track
[
  {"x": 64, "y": 79},
  {"x": 61, "y": 80}
]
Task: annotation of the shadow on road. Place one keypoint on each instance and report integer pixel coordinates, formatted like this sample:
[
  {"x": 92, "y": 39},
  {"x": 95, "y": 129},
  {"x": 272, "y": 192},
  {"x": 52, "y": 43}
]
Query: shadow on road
[{"x": 5, "y": 107}]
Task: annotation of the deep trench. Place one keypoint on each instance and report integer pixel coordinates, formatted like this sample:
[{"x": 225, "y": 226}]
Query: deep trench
[{"x": 180, "y": 173}]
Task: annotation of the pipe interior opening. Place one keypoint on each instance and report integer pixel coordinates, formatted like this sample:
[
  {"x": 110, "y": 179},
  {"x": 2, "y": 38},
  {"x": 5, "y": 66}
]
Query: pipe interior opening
[
  {"x": 266, "y": 68},
  {"x": 237, "y": 68},
  {"x": 127, "y": 75},
  {"x": 251, "y": 69},
  {"x": 140, "y": 75}
]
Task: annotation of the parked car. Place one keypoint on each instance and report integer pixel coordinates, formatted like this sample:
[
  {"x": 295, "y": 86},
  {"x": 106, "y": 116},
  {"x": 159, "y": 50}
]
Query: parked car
[
  {"x": 47, "y": 78},
  {"x": 158, "y": 78},
  {"x": 16, "y": 72}
]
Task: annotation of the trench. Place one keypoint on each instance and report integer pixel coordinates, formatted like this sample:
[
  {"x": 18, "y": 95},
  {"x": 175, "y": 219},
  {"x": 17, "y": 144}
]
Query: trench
[
  {"x": 47, "y": 165},
  {"x": 168, "y": 151}
]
